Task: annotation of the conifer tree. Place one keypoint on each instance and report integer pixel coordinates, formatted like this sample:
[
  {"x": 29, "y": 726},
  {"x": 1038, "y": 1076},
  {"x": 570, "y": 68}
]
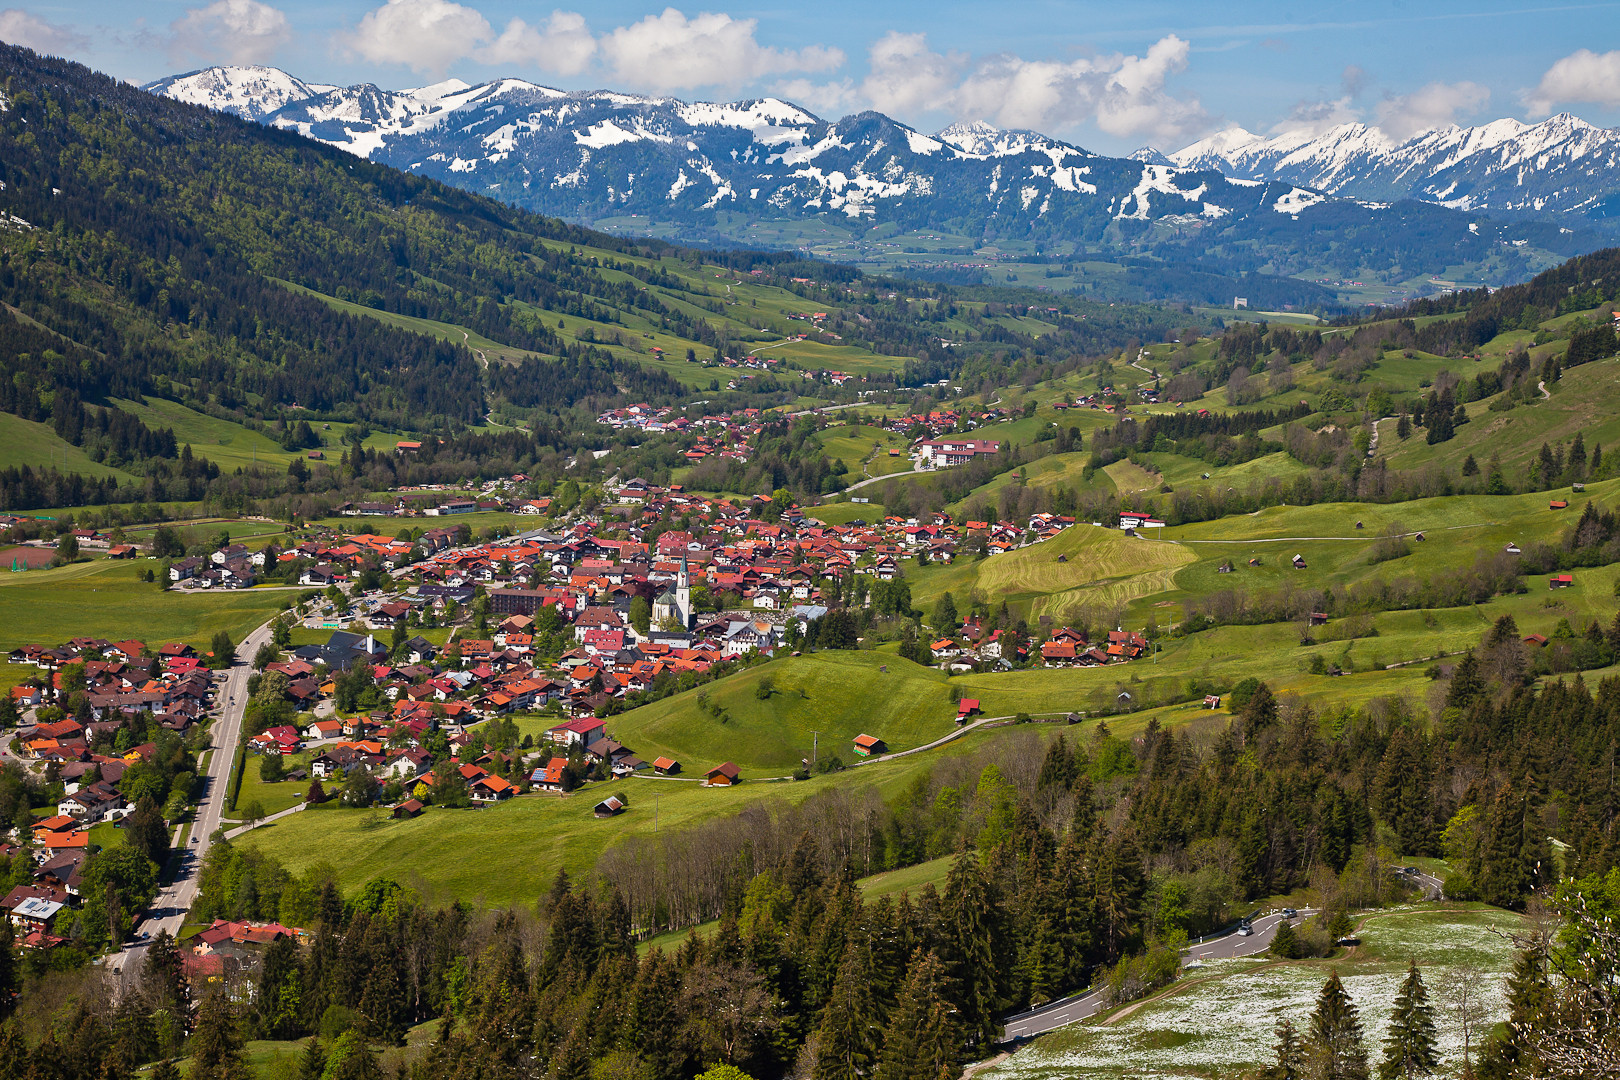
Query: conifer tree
[
  {"x": 849, "y": 1031},
  {"x": 1409, "y": 1049},
  {"x": 166, "y": 1070},
  {"x": 1502, "y": 877},
  {"x": 970, "y": 913},
  {"x": 1336, "y": 1046},
  {"x": 1291, "y": 1057},
  {"x": 1286, "y": 942},
  {"x": 922, "y": 1038},
  {"x": 312, "y": 1062},
  {"x": 1509, "y": 1054},
  {"x": 216, "y": 1047}
]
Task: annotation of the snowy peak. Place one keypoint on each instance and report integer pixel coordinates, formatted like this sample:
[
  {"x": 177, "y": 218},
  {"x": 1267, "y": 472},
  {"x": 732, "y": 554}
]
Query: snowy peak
[
  {"x": 987, "y": 141},
  {"x": 1562, "y": 164},
  {"x": 251, "y": 92}
]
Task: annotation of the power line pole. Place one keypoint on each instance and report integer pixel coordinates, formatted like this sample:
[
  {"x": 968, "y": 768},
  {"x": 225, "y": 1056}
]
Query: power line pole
[{"x": 815, "y": 745}]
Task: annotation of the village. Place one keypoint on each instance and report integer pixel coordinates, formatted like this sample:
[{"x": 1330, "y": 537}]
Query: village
[{"x": 397, "y": 677}]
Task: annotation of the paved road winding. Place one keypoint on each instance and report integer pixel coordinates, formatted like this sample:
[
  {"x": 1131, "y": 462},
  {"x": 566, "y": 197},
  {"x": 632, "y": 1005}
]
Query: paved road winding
[
  {"x": 1090, "y": 1003},
  {"x": 168, "y": 910}
]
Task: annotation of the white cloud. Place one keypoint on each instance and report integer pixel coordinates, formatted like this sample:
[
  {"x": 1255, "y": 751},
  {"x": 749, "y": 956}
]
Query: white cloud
[
  {"x": 18, "y": 27},
  {"x": 1122, "y": 95},
  {"x": 829, "y": 101},
  {"x": 240, "y": 31},
  {"x": 424, "y": 35},
  {"x": 1312, "y": 118},
  {"x": 906, "y": 76},
  {"x": 564, "y": 45},
  {"x": 670, "y": 52},
  {"x": 1432, "y": 106},
  {"x": 1582, "y": 76}
]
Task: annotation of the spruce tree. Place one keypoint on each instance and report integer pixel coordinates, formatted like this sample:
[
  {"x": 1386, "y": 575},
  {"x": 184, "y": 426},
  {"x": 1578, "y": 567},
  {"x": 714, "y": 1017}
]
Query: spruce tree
[
  {"x": 1502, "y": 878},
  {"x": 216, "y": 1047},
  {"x": 312, "y": 1062},
  {"x": 1509, "y": 1054},
  {"x": 1291, "y": 1057},
  {"x": 849, "y": 1031},
  {"x": 1409, "y": 1048},
  {"x": 922, "y": 1038},
  {"x": 1286, "y": 942},
  {"x": 1336, "y": 1046},
  {"x": 970, "y": 932},
  {"x": 164, "y": 1070}
]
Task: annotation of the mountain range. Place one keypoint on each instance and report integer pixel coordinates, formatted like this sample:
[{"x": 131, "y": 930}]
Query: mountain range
[
  {"x": 1561, "y": 167},
  {"x": 713, "y": 171}
]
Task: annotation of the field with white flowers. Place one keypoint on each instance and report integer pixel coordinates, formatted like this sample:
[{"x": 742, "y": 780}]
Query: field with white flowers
[{"x": 1219, "y": 1022}]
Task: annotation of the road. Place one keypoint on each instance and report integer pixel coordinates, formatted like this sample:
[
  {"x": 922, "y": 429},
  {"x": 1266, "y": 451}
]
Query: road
[
  {"x": 168, "y": 910},
  {"x": 1086, "y": 1005},
  {"x": 876, "y": 479}
]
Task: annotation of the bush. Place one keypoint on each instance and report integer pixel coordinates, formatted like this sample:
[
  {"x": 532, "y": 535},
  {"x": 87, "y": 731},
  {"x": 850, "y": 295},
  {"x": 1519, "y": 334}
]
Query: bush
[
  {"x": 1137, "y": 976},
  {"x": 1460, "y": 886}
]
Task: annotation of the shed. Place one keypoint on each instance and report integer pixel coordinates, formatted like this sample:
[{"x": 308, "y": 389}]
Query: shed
[
  {"x": 723, "y": 775},
  {"x": 1299, "y": 562},
  {"x": 665, "y": 766},
  {"x": 869, "y": 745},
  {"x": 1561, "y": 581},
  {"x": 1212, "y": 701},
  {"x": 612, "y": 806},
  {"x": 966, "y": 708},
  {"x": 1558, "y": 504},
  {"x": 407, "y": 809}
]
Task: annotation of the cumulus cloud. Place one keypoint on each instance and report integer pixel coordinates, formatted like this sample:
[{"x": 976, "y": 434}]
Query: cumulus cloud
[
  {"x": 1432, "y": 106},
  {"x": 240, "y": 31},
  {"x": 905, "y": 75},
  {"x": 829, "y": 100},
  {"x": 1582, "y": 76},
  {"x": 670, "y": 52},
  {"x": 18, "y": 27},
  {"x": 1122, "y": 95},
  {"x": 563, "y": 45},
  {"x": 424, "y": 35}
]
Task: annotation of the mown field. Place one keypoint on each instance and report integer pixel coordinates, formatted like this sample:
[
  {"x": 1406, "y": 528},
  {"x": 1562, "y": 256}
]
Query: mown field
[
  {"x": 1219, "y": 1019},
  {"x": 1083, "y": 565}
]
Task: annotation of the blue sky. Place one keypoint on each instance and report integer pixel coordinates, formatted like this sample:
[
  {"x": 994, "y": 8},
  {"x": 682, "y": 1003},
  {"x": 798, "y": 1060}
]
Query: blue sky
[{"x": 1111, "y": 76}]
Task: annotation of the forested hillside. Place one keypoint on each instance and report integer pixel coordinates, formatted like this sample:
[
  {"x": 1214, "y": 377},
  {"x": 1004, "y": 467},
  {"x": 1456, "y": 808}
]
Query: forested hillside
[{"x": 160, "y": 249}]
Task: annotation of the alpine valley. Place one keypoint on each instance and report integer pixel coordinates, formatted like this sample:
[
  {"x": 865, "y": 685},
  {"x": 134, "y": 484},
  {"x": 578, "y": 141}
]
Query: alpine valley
[{"x": 867, "y": 189}]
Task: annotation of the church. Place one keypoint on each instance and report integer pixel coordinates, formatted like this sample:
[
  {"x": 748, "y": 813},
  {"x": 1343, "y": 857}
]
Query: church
[{"x": 674, "y": 605}]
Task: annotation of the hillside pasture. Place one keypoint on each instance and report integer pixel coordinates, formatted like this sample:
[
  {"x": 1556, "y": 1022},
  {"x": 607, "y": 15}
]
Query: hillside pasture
[
  {"x": 839, "y": 694},
  {"x": 1099, "y": 567}
]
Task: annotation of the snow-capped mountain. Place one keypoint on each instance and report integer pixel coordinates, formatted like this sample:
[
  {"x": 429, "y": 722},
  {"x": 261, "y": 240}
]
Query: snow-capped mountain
[
  {"x": 250, "y": 92},
  {"x": 1561, "y": 166},
  {"x": 709, "y": 170}
]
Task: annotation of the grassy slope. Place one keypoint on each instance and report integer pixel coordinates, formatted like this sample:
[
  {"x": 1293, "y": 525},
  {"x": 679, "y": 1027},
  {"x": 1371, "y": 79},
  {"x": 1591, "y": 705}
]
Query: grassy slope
[
  {"x": 1103, "y": 566},
  {"x": 507, "y": 854},
  {"x": 24, "y": 442},
  {"x": 839, "y": 694},
  {"x": 104, "y": 599}
]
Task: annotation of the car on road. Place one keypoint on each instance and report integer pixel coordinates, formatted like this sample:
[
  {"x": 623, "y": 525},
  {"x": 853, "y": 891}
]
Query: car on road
[
  {"x": 1245, "y": 931},
  {"x": 1290, "y": 913},
  {"x": 193, "y": 839}
]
